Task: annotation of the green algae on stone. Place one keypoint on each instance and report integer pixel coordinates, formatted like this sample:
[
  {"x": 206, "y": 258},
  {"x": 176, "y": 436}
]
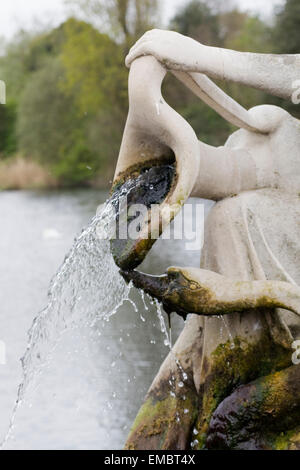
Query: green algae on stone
[
  {"x": 286, "y": 440},
  {"x": 147, "y": 187},
  {"x": 164, "y": 423},
  {"x": 231, "y": 367},
  {"x": 262, "y": 413}
]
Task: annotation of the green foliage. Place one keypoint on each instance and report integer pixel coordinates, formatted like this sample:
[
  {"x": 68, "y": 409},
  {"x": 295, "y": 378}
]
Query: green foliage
[
  {"x": 96, "y": 79},
  {"x": 8, "y": 142},
  {"x": 250, "y": 35},
  {"x": 286, "y": 40},
  {"x": 94, "y": 69},
  {"x": 208, "y": 125},
  {"x": 123, "y": 20},
  {"x": 25, "y": 55},
  {"x": 46, "y": 117},
  {"x": 198, "y": 21},
  {"x": 73, "y": 107},
  {"x": 67, "y": 88},
  {"x": 286, "y": 33},
  {"x": 78, "y": 162}
]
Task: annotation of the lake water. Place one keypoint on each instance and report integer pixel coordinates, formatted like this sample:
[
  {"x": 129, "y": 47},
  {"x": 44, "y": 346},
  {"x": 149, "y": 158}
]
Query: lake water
[{"x": 88, "y": 394}]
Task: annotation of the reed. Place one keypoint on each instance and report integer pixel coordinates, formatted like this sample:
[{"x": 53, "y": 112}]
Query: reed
[{"x": 18, "y": 173}]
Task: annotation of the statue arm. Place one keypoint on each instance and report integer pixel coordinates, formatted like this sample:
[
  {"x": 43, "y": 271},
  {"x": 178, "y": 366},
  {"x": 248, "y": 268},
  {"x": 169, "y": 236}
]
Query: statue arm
[
  {"x": 202, "y": 292},
  {"x": 225, "y": 172},
  {"x": 224, "y": 105},
  {"x": 274, "y": 74}
]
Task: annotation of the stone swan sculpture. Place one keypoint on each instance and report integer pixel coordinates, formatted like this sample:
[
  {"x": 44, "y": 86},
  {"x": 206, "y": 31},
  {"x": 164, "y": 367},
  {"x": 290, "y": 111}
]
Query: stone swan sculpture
[{"x": 240, "y": 385}]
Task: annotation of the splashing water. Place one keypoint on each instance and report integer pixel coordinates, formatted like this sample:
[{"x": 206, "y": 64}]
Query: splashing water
[
  {"x": 86, "y": 288},
  {"x": 168, "y": 343},
  {"x": 163, "y": 325},
  {"x": 232, "y": 345}
]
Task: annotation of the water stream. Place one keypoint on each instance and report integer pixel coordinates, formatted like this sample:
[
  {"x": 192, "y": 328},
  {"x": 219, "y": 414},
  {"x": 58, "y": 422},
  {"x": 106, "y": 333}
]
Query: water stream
[
  {"x": 83, "y": 296},
  {"x": 86, "y": 288}
]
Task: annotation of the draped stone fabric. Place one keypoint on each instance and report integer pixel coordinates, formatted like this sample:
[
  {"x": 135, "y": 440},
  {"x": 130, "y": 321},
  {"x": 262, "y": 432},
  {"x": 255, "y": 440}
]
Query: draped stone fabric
[
  {"x": 252, "y": 235},
  {"x": 249, "y": 237}
]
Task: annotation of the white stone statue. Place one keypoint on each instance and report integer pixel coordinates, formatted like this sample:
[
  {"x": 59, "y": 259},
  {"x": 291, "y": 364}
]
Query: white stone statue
[{"x": 250, "y": 266}]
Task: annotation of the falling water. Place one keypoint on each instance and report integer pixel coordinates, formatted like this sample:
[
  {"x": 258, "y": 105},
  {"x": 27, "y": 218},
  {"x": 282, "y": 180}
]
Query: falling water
[
  {"x": 232, "y": 345},
  {"x": 168, "y": 343},
  {"x": 86, "y": 288}
]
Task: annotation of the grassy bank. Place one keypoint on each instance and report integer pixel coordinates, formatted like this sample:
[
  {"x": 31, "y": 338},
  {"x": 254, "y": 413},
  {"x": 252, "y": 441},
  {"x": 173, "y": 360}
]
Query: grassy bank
[{"x": 20, "y": 173}]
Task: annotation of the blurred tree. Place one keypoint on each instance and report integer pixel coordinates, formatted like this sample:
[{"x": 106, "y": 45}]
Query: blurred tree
[
  {"x": 199, "y": 21},
  {"x": 96, "y": 77},
  {"x": 286, "y": 32},
  {"x": 123, "y": 20},
  {"x": 245, "y": 33},
  {"x": 286, "y": 40},
  {"x": 47, "y": 124},
  {"x": 26, "y": 54},
  {"x": 8, "y": 142},
  {"x": 72, "y": 111},
  {"x": 12, "y": 67},
  {"x": 53, "y": 131},
  {"x": 94, "y": 69}
]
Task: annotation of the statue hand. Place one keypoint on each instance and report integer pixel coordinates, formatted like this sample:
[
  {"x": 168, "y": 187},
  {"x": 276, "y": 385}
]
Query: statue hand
[
  {"x": 183, "y": 290},
  {"x": 193, "y": 290},
  {"x": 171, "y": 289},
  {"x": 175, "y": 51}
]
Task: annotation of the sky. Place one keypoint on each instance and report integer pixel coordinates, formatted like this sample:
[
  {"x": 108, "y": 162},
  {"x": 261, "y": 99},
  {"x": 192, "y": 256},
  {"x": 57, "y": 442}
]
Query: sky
[{"x": 25, "y": 14}]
